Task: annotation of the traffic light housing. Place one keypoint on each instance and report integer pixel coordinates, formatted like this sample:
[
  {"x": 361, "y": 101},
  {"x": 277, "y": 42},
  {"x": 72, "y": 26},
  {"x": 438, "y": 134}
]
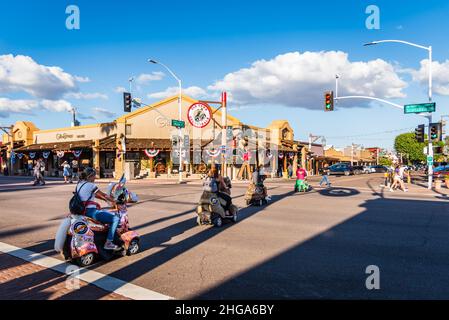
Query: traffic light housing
[
  {"x": 436, "y": 132},
  {"x": 419, "y": 133},
  {"x": 329, "y": 101},
  {"x": 127, "y": 101}
]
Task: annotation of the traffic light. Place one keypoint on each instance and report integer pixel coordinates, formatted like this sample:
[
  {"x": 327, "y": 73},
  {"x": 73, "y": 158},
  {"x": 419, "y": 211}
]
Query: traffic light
[
  {"x": 435, "y": 131},
  {"x": 419, "y": 133},
  {"x": 127, "y": 101},
  {"x": 329, "y": 101}
]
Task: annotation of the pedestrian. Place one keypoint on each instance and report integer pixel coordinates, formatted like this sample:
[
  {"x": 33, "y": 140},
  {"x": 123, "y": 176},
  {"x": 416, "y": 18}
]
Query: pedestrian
[
  {"x": 66, "y": 172},
  {"x": 398, "y": 176},
  {"x": 324, "y": 176},
  {"x": 39, "y": 168},
  {"x": 75, "y": 170},
  {"x": 290, "y": 170},
  {"x": 30, "y": 168}
]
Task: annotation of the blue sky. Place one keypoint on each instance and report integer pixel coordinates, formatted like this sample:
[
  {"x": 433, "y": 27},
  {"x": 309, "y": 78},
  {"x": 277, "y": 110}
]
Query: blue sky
[{"x": 203, "y": 41}]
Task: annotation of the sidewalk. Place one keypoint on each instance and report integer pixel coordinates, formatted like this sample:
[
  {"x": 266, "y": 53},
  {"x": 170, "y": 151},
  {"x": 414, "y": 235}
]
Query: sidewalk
[{"x": 22, "y": 280}]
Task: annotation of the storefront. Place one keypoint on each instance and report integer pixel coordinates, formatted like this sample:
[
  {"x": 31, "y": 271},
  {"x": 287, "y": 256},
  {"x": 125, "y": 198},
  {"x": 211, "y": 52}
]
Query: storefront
[{"x": 146, "y": 142}]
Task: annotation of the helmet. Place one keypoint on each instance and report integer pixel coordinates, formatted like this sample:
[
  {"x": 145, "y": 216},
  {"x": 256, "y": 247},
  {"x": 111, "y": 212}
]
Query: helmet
[{"x": 90, "y": 172}]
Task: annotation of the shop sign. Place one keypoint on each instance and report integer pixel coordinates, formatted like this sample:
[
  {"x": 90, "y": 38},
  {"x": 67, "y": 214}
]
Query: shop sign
[{"x": 199, "y": 115}]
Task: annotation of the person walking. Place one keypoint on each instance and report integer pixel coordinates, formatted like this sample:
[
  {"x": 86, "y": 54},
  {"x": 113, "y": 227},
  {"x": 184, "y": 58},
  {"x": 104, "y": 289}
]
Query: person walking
[
  {"x": 66, "y": 172},
  {"x": 75, "y": 170},
  {"x": 290, "y": 171},
  {"x": 325, "y": 176},
  {"x": 398, "y": 181},
  {"x": 39, "y": 168}
]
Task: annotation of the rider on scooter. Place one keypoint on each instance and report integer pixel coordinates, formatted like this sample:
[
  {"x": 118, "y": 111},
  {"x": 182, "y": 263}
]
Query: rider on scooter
[
  {"x": 88, "y": 191},
  {"x": 223, "y": 191}
]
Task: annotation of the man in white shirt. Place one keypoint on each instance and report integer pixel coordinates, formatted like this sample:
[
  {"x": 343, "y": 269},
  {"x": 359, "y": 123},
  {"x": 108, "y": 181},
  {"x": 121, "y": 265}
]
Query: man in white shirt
[{"x": 88, "y": 192}]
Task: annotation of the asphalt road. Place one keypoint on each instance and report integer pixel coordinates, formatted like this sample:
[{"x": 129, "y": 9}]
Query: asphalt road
[{"x": 315, "y": 245}]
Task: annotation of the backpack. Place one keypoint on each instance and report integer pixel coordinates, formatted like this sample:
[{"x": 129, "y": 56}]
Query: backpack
[
  {"x": 76, "y": 206},
  {"x": 210, "y": 185}
]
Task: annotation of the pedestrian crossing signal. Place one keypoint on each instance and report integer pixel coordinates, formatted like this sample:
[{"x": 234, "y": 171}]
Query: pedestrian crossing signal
[
  {"x": 329, "y": 101},
  {"x": 127, "y": 101}
]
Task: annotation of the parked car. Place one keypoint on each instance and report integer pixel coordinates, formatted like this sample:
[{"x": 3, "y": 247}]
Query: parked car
[
  {"x": 379, "y": 169},
  {"x": 341, "y": 169},
  {"x": 367, "y": 169},
  {"x": 358, "y": 169}
]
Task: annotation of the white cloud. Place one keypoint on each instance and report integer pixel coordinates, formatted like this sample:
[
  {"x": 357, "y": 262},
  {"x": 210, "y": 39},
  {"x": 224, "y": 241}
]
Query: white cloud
[
  {"x": 8, "y": 106},
  {"x": 22, "y": 74},
  {"x": 120, "y": 89},
  {"x": 86, "y": 96},
  {"x": 440, "y": 76},
  {"x": 300, "y": 79},
  {"x": 83, "y": 116},
  {"x": 56, "y": 105},
  {"x": 104, "y": 113},
  {"x": 154, "y": 76},
  {"x": 82, "y": 79},
  {"x": 194, "y": 92}
]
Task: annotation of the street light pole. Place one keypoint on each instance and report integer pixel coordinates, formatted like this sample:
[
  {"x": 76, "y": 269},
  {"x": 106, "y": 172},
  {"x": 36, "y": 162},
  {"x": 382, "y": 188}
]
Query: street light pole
[
  {"x": 430, "y": 145},
  {"x": 179, "y": 114}
]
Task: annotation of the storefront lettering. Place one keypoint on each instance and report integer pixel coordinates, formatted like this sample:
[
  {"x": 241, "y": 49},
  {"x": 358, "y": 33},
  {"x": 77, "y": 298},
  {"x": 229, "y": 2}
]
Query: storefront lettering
[{"x": 63, "y": 136}]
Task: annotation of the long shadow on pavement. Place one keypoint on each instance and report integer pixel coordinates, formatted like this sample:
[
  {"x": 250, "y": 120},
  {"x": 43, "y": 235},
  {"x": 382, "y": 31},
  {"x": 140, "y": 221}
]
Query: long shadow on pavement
[
  {"x": 407, "y": 239},
  {"x": 158, "y": 238}
]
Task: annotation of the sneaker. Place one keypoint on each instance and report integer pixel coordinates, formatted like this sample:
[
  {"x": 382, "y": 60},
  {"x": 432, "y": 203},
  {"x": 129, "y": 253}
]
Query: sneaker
[
  {"x": 405, "y": 190},
  {"x": 110, "y": 246},
  {"x": 391, "y": 190}
]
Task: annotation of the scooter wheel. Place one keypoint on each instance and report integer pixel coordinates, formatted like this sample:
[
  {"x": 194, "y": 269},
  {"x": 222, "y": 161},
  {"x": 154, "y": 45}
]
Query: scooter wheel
[
  {"x": 86, "y": 260},
  {"x": 133, "y": 247},
  {"x": 218, "y": 222}
]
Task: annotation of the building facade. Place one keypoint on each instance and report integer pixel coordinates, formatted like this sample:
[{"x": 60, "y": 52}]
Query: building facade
[{"x": 144, "y": 143}]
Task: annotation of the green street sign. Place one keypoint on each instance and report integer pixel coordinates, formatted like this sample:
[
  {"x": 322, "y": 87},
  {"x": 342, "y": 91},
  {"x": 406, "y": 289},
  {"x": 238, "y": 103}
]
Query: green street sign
[
  {"x": 420, "y": 108},
  {"x": 178, "y": 124}
]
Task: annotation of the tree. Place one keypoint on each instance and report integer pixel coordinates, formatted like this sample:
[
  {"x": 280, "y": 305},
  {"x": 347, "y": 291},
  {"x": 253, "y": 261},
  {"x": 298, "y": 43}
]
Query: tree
[
  {"x": 411, "y": 149},
  {"x": 384, "y": 161}
]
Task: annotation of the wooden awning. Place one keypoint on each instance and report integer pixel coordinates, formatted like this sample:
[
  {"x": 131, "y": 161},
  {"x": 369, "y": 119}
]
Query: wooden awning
[{"x": 57, "y": 146}]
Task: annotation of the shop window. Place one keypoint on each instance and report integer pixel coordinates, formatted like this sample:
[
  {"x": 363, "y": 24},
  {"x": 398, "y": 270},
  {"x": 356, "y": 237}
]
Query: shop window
[{"x": 128, "y": 130}]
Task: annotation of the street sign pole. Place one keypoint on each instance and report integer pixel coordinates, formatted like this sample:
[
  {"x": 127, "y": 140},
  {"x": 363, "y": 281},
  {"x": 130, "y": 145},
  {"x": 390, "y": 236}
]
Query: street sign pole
[
  {"x": 430, "y": 146},
  {"x": 224, "y": 125}
]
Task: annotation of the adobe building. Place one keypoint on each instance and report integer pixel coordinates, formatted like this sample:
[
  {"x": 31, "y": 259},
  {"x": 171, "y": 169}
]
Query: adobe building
[{"x": 142, "y": 143}]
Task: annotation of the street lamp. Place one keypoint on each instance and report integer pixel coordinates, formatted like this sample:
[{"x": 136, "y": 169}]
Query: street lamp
[
  {"x": 179, "y": 112},
  {"x": 429, "y": 49}
]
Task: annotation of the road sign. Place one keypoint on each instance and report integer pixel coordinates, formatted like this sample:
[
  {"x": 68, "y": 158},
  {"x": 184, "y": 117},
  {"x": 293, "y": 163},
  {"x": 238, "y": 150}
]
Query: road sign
[
  {"x": 420, "y": 108},
  {"x": 430, "y": 160},
  {"x": 199, "y": 115},
  {"x": 178, "y": 124}
]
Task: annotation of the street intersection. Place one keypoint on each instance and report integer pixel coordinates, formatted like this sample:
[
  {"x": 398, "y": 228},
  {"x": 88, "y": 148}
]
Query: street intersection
[{"x": 313, "y": 245}]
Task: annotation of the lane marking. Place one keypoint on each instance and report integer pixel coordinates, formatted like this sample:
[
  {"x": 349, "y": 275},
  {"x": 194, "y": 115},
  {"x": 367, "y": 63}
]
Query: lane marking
[{"x": 102, "y": 281}]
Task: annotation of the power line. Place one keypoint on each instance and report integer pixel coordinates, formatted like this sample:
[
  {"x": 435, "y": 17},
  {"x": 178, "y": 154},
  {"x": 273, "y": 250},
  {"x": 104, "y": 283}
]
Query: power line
[{"x": 370, "y": 134}]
